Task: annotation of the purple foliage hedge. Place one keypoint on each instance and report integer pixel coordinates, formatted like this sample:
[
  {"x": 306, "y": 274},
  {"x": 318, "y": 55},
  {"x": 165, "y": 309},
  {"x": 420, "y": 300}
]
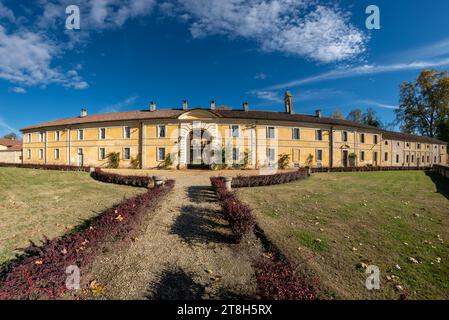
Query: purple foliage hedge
[
  {"x": 40, "y": 272},
  {"x": 136, "y": 181},
  {"x": 238, "y": 214},
  {"x": 279, "y": 280},
  {"x": 44, "y": 167},
  {"x": 267, "y": 180},
  {"x": 365, "y": 169}
]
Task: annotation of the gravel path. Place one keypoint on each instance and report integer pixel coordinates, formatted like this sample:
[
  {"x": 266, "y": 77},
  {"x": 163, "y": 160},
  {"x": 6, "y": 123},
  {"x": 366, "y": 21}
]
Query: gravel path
[{"x": 184, "y": 251}]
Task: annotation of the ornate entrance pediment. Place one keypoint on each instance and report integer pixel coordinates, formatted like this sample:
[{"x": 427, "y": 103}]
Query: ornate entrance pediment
[{"x": 197, "y": 114}]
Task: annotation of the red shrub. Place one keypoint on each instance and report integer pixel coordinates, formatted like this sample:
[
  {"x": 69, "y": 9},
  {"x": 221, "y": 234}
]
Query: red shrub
[
  {"x": 278, "y": 280},
  {"x": 366, "y": 169},
  {"x": 267, "y": 180},
  {"x": 136, "y": 181},
  {"x": 40, "y": 272},
  {"x": 44, "y": 167}
]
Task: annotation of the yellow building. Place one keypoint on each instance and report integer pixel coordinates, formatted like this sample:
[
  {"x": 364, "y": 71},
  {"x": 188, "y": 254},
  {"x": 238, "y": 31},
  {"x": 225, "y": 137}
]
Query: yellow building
[{"x": 180, "y": 138}]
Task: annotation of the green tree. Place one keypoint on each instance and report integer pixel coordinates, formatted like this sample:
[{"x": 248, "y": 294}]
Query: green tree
[
  {"x": 424, "y": 104},
  {"x": 10, "y": 136},
  {"x": 370, "y": 118},
  {"x": 355, "y": 115},
  {"x": 337, "y": 114}
]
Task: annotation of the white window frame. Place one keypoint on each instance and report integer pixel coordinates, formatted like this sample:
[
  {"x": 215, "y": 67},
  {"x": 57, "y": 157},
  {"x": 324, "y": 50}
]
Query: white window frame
[
  {"x": 57, "y": 154},
  {"x": 159, "y": 126},
  {"x": 362, "y": 156},
  {"x": 316, "y": 134},
  {"x": 375, "y": 139},
  {"x": 28, "y": 154},
  {"x": 316, "y": 155},
  {"x": 100, "y": 157},
  {"x": 232, "y": 131},
  {"x": 274, "y": 154},
  {"x": 293, "y": 133},
  {"x": 57, "y": 135},
  {"x": 268, "y": 132},
  {"x": 41, "y": 154},
  {"x": 124, "y": 148},
  {"x": 237, "y": 154},
  {"x": 124, "y": 132},
  {"x": 362, "y": 138},
  {"x": 99, "y": 134},
  {"x": 41, "y": 137},
  {"x": 165, "y": 153},
  {"x": 343, "y": 134},
  {"x": 29, "y": 137},
  {"x": 80, "y": 134}
]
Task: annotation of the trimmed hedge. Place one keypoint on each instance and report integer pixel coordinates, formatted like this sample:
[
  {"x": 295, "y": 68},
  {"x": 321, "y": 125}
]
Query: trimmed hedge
[
  {"x": 44, "y": 167},
  {"x": 40, "y": 272},
  {"x": 365, "y": 169},
  {"x": 267, "y": 180},
  {"x": 279, "y": 280},
  {"x": 136, "y": 181},
  {"x": 238, "y": 214}
]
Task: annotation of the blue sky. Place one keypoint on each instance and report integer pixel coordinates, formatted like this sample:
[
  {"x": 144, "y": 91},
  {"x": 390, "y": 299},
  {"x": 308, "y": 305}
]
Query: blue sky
[{"x": 129, "y": 53}]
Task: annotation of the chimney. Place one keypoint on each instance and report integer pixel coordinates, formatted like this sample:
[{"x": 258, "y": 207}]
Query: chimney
[
  {"x": 83, "y": 113},
  {"x": 152, "y": 106},
  {"x": 245, "y": 106},
  {"x": 185, "y": 105},
  {"x": 318, "y": 113},
  {"x": 288, "y": 99},
  {"x": 212, "y": 105}
]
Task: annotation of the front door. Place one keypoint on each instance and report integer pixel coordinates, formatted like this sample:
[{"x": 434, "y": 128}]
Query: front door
[
  {"x": 345, "y": 159},
  {"x": 196, "y": 148},
  {"x": 80, "y": 158}
]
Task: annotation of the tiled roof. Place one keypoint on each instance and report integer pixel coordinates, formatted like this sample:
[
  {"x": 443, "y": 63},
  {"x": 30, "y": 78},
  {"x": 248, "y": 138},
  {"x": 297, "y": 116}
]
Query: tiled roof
[
  {"x": 11, "y": 144},
  {"x": 225, "y": 113}
]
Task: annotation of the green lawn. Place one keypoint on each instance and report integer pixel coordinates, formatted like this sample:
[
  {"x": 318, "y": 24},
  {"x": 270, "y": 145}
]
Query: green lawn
[
  {"x": 34, "y": 203},
  {"x": 331, "y": 223}
]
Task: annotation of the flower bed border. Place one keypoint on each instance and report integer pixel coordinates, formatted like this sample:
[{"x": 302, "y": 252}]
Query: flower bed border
[
  {"x": 44, "y": 167},
  {"x": 268, "y": 180},
  {"x": 135, "y": 181},
  {"x": 40, "y": 272},
  {"x": 367, "y": 169}
]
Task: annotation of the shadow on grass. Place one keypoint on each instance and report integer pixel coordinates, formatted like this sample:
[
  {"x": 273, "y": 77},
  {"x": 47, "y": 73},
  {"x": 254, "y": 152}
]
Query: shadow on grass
[
  {"x": 201, "y": 194},
  {"x": 441, "y": 183}
]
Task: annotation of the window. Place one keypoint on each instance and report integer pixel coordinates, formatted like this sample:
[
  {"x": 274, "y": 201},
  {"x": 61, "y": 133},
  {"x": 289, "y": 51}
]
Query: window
[
  {"x": 101, "y": 153},
  {"x": 57, "y": 135},
  {"x": 408, "y": 158},
  {"x": 41, "y": 154},
  {"x": 418, "y": 146},
  {"x": 386, "y": 156},
  {"x": 428, "y": 159},
  {"x": 161, "y": 131},
  {"x": 397, "y": 158},
  {"x": 41, "y": 137},
  {"x": 440, "y": 160},
  {"x": 386, "y": 143},
  {"x": 375, "y": 156},
  {"x": 344, "y": 136},
  {"x": 362, "y": 138},
  {"x": 413, "y": 159},
  {"x": 56, "y": 154},
  {"x": 319, "y": 155},
  {"x": 319, "y": 135},
  {"x": 161, "y": 154},
  {"x": 127, "y": 132},
  {"x": 126, "y": 153},
  {"x": 102, "y": 133},
  {"x": 398, "y": 144},
  {"x": 80, "y": 134},
  {"x": 270, "y": 132},
  {"x": 295, "y": 133},
  {"x": 408, "y": 145},
  {"x": 29, "y": 137},
  {"x": 235, "y": 154},
  {"x": 423, "y": 159},
  {"x": 435, "y": 159},
  {"x": 271, "y": 154},
  {"x": 375, "y": 139},
  {"x": 29, "y": 153},
  {"x": 362, "y": 155},
  {"x": 235, "y": 131},
  {"x": 428, "y": 147}
]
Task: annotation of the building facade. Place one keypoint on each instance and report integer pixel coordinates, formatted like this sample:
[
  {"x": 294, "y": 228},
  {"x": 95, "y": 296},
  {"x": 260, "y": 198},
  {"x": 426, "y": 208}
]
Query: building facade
[
  {"x": 10, "y": 151},
  {"x": 200, "y": 137}
]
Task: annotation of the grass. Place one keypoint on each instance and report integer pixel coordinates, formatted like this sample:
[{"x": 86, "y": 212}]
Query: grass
[
  {"x": 34, "y": 203},
  {"x": 331, "y": 223}
]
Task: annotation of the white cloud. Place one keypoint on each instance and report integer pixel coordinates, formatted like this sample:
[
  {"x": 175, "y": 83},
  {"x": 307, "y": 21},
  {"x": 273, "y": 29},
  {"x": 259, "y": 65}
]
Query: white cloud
[
  {"x": 6, "y": 13},
  {"x": 261, "y": 76},
  {"x": 270, "y": 96},
  {"x": 296, "y": 27},
  {"x": 119, "y": 105},
  {"x": 26, "y": 59},
  {"x": 366, "y": 69},
  {"x": 18, "y": 90},
  {"x": 378, "y": 104}
]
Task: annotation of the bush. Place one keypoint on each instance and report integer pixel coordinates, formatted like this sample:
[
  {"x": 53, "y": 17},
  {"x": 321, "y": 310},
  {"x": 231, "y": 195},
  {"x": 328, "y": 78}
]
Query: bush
[
  {"x": 136, "y": 181},
  {"x": 113, "y": 160},
  {"x": 40, "y": 272},
  {"x": 278, "y": 280},
  {"x": 284, "y": 161},
  {"x": 44, "y": 167},
  {"x": 135, "y": 162},
  {"x": 238, "y": 214},
  {"x": 267, "y": 180}
]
